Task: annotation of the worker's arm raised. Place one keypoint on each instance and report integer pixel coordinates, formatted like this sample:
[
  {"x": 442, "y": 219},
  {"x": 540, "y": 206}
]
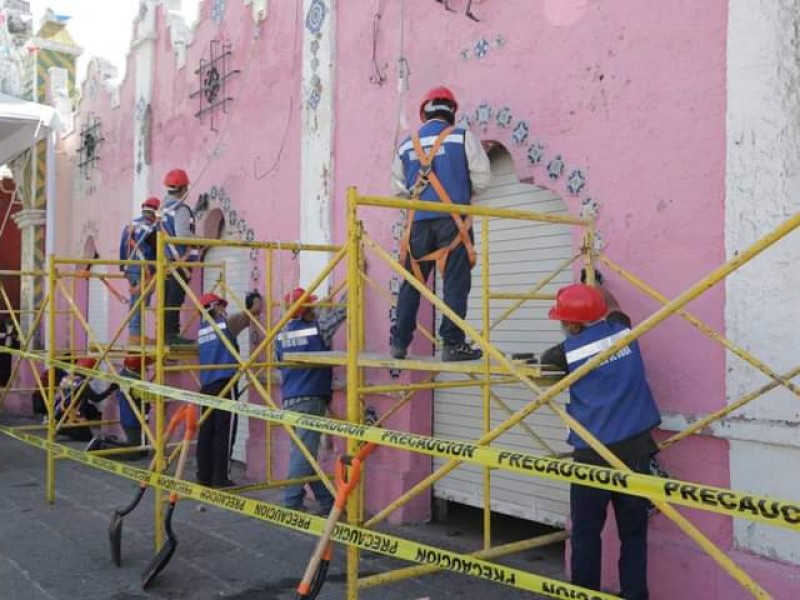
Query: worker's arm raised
[
  {"x": 480, "y": 171},
  {"x": 398, "y": 177}
]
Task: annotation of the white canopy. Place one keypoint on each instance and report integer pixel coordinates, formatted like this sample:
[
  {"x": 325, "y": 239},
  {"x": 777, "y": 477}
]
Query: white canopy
[{"x": 23, "y": 123}]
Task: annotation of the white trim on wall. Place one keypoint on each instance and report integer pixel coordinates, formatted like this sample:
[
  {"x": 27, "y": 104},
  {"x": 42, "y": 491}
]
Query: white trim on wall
[
  {"x": 762, "y": 189},
  {"x": 316, "y": 132}
]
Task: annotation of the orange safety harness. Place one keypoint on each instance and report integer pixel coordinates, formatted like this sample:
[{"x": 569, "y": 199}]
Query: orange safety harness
[
  {"x": 135, "y": 254},
  {"x": 427, "y": 176}
]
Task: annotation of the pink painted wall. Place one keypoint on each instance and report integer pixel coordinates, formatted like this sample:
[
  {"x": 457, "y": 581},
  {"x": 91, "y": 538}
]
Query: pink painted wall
[
  {"x": 632, "y": 94},
  {"x": 253, "y": 155}
]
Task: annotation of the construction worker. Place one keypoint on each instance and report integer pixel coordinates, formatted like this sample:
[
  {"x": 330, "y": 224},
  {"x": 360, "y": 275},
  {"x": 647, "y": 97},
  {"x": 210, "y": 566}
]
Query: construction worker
[
  {"x": 307, "y": 389},
  {"x": 39, "y": 400},
  {"x": 133, "y": 367},
  {"x": 214, "y": 438},
  {"x": 138, "y": 242},
  {"x": 439, "y": 163},
  {"x": 8, "y": 339},
  {"x": 89, "y": 403},
  {"x": 615, "y": 404},
  {"x": 177, "y": 219}
]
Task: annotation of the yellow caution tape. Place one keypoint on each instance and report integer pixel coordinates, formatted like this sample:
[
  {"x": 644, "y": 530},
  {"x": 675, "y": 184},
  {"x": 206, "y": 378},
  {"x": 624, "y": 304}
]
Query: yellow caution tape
[
  {"x": 780, "y": 513},
  {"x": 350, "y": 535}
]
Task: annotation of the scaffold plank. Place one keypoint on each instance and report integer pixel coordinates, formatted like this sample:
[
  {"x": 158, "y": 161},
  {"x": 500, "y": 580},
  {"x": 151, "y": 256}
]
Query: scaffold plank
[
  {"x": 176, "y": 352},
  {"x": 421, "y": 363}
]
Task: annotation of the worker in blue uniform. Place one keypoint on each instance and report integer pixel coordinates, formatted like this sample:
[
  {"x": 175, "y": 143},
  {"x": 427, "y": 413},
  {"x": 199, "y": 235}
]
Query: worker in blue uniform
[
  {"x": 89, "y": 399},
  {"x": 447, "y": 164},
  {"x": 138, "y": 242},
  {"x": 615, "y": 403},
  {"x": 177, "y": 219},
  {"x": 133, "y": 367},
  {"x": 307, "y": 389},
  {"x": 214, "y": 437}
]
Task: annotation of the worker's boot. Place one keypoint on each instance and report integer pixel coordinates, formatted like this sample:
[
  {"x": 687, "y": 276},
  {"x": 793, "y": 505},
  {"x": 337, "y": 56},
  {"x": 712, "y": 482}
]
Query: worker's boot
[
  {"x": 460, "y": 352},
  {"x": 398, "y": 352}
]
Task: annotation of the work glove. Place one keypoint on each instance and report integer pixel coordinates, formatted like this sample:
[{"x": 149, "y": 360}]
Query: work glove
[
  {"x": 598, "y": 276},
  {"x": 251, "y": 298}
]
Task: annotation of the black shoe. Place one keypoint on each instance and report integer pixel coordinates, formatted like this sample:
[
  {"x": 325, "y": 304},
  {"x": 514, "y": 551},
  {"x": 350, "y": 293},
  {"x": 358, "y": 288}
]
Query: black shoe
[
  {"x": 224, "y": 484},
  {"x": 94, "y": 444},
  {"x": 398, "y": 352},
  {"x": 460, "y": 352}
]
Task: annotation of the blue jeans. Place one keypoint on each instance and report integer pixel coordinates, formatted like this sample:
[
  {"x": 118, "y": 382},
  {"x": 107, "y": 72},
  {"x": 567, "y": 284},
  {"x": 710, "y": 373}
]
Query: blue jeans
[
  {"x": 427, "y": 236},
  {"x": 298, "y": 465},
  {"x": 588, "y": 513},
  {"x": 135, "y": 323}
]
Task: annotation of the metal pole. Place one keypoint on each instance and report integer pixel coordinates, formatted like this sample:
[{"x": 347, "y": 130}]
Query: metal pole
[
  {"x": 704, "y": 327},
  {"x": 353, "y": 351},
  {"x": 51, "y": 383},
  {"x": 486, "y": 389},
  {"x": 160, "y": 409},
  {"x": 270, "y": 356}
]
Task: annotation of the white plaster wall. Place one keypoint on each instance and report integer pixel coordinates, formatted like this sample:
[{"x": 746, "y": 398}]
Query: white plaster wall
[
  {"x": 143, "y": 47},
  {"x": 763, "y": 189},
  {"x": 316, "y": 141}
]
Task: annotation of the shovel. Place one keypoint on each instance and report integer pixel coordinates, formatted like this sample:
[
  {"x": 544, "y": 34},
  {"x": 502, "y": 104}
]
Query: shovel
[
  {"x": 115, "y": 527},
  {"x": 317, "y": 569},
  {"x": 164, "y": 555}
]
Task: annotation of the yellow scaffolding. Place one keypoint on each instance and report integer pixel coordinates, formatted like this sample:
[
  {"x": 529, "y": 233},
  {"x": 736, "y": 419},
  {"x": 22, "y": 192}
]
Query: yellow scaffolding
[{"x": 493, "y": 371}]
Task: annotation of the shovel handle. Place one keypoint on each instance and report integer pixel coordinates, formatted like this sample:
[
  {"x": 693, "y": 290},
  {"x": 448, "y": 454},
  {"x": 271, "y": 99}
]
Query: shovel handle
[
  {"x": 189, "y": 416},
  {"x": 346, "y": 484}
]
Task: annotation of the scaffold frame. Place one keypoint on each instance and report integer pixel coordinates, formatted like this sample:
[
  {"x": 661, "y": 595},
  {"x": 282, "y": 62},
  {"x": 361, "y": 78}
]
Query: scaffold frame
[{"x": 494, "y": 370}]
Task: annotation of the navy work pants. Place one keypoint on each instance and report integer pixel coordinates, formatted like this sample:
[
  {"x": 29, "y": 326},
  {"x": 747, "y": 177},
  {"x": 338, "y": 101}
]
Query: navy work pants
[
  {"x": 214, "y": 440},
  {"x": 426, "y": 237},
  {"x": 588, "y": 512}
]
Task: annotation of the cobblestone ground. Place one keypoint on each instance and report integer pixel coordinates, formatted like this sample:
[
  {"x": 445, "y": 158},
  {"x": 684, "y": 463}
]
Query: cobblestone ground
[{"x": 61, "y": 552}]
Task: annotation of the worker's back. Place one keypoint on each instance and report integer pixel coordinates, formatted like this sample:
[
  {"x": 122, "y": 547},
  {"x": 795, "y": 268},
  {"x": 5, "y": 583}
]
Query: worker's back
[
  {"x": 613, "y": 401},
  {"x": 450, "y": 165}
]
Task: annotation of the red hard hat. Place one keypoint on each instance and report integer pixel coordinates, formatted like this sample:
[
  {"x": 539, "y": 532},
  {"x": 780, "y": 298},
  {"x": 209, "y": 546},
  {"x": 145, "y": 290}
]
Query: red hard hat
[
  {"x": 209, "y": 300},
  {"x": 295, "y": 295},
  {"x": 87, "y": 362},
  {"x": 176, "y": 178},
  {"x": 578, "y": 303},
  {"x": 134, "y": 363},
  {"x": 152, "y": 203},
  {"x": 437, "y": 93}
]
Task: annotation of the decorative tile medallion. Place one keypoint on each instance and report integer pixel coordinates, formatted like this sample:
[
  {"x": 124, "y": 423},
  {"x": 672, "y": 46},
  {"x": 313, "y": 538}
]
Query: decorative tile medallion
[
  {"x": 218, "y": 11},
  {"x": 483, "y": 114},
  {"x": 504, "y": 117},
  {"x": 589, "y": 208},
  {"x": 535, "y": 153},
  {"x": 315, "y": 18},
  {"x": 576, "y": 181},
  {"x": 481, "y": 48},
  {"x": 555, "y": 168},
  {"x": 520, "y": 133}
]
